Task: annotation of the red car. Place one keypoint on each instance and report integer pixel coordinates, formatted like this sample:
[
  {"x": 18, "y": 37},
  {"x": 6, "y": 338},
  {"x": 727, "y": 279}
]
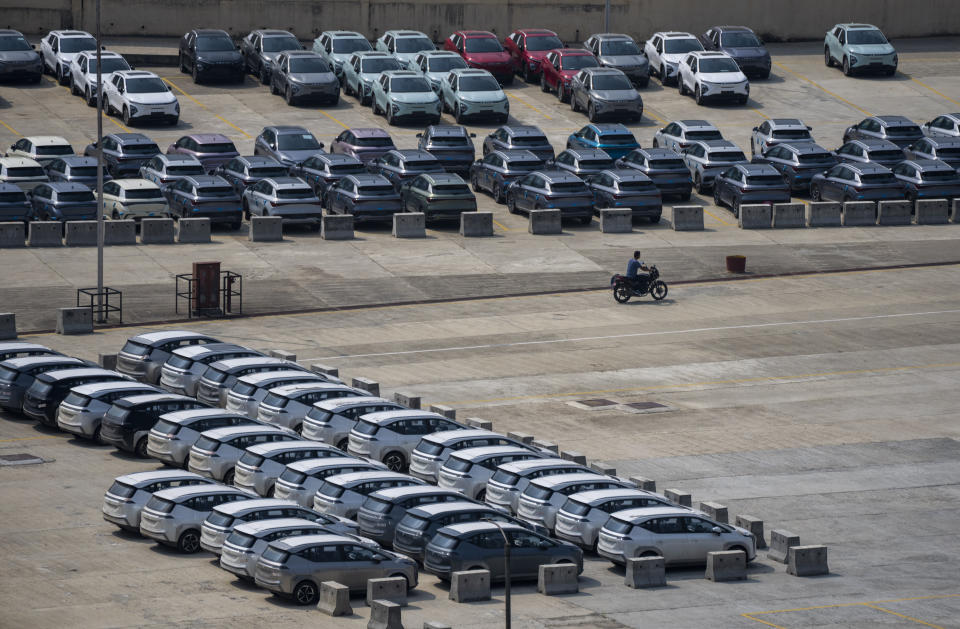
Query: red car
[
  {"x": 528, "y": 48},
  {"x": 561, "y": 66},
  {"x": 482, "y": 49}
]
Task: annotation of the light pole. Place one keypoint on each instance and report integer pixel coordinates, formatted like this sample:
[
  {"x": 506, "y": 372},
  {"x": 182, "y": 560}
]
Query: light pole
[
  {"x": 606, "y": 17},
  {"x": 506, "y": 570},
  {"x": 100, "y": 313}
]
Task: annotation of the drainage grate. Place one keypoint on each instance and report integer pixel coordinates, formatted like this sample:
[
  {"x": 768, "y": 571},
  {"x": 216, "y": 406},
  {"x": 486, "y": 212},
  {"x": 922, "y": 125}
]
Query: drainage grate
[
  {"x": 21, "y": 458},
  {"x": 645, "y": 406},
  {"x": 596, "y": 403}
]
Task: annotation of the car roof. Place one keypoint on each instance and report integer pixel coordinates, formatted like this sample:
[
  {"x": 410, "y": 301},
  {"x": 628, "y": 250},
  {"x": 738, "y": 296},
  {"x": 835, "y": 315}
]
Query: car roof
[
  {"x": 448, "y": 130},
  {"x": 398, "y": 493},
  {"x": 943, "y": 141},
  {"x": 858, "y": 25},
  {"x": 131, "y": 138},
  {"x": 192, "y": 351},
  {"x": 264, "y": 377},
  {"x": 481, "y": 452},
  {"x": 78, "y": 160},
  {"x": 47, "y": 140},
  {"x": 611, "y": 36},
  {"x": 558, "y": 480},
  {"x": 439, "y": 178},
  {"x": 145, "y": 478},
  {"x": 438, "y": 508},
  {"x": 249, "y": 361},
  {"x": 206, "y": 180},
  {"x": 80, "y": 372},
  {"x": 587, "y": 153},
  {"x": 259, "y": 527},
  {"x": 400, "y": 73},
  {"x": 438, "y": 53},
  {"x": 445, "y": 437},
  {"x": 21, "y": 346},
  {"x": 626, "y": 174},
  {"x": 9, "y": 31},
  {"x": 594, "y": 496},
  {"x": 52, "y": 359},
  {"x": 302, "y": 53},
  {"x": 210, "y": 31},
  {"x": 387, "y": 417},
  {"x": 467, "y": 528},
  {"x": 190, "y": 415},
  {"x": 221, "y": 434},
  {"x": 344, "y": 402},
  {"x": 273, "y": 447},
  {"x": 272, "y": 32},
  {"x": 209, "y": 138},
  {"x": 70, "y": 33},
  {"x": 119, "y": 385},
  {"x": 413, "y": 154},
  {"x": 757, "y": 169},
  {"x": 337, "y": 158},
  {"x": 803, "y": 148},
  {"x": 516, "y": 154},
  {"x": 472, "y": 34},
  {"x": 9, "y": 187},
  {"x": 178, "y": 494},
  {"x": 519, "y": 467},
  {"x": 674, "y": 34},
  {"x": 146, "y": 398},
  {"x": 894, "y": 121},
  {"x": 351, "y": 478},
  {"x": 582, "y": 52},
  {"x": 874, "y": 143},
  {"x": 296, "y": 542},
  {"x": 523, "y": 130},
  {"x": 143, "y": 184},
  {"x": 558, "y": 176},
  {"x": 609, "y": 127},
  {"x": 373, "y": 53},
  {"x": 709, "y": 53},
  {"x": 927, "y": 165},
  {"x": 14, "y": 162},
  {"x": 67, "y": 186},
  {"x": 309, "y": 465},
  {"x": 716, "y": 144},
  {"x": 642, "y": 513},
  {"x": 868, "y": 168},
  {"x": 286, "y": 128},
  {"x": 369, "y": 132},
  {"x": 233, "y": 508},
  {"x": 178, "y": 157},
  {"x": 368, "y": 179},
  {"x": 287, "y": 182},
  {"x": 133, "y": 74},
  {"x": 257, "y": 160},
  {"x": 470, "y": 72},
  {"x": 303, "y": 387},
  {"x": 602, "y": 70},
  {"x": 787, "y": 123},
  {"x": 170, "y": 335},
  {"x": 695, "y": 124},
  {"x": 405, "y": 33},
  {"x": 338, "y": 34},
  {"x": 733, "y": 28}
]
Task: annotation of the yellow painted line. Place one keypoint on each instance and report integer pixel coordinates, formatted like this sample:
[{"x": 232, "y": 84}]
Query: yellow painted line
[
  {"x": 9, "y": 128},
  {"x": 760, "y": 112},
  {"x": 820, "y": 87},
  {"x": 202, "y": 106},
  {"x": 31, "y": 438},
  {"x": 935, "y": 91},
  {"x": 904, "y": 616},
  {"x": 117, "y": 122},
  {"x": 716, "y": 218},
  {"x": 769, "y": 624},
  {"x": 653, "y": 115},
  {"x": 545, "y": 115},
  {"x": 177, "y": 87},
  {"x": 501, "y": 225},
  {"x": 332, "y": 118}
]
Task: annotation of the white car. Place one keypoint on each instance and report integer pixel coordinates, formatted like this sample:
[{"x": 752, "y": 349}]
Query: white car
[
  {"x": 713, "y": 76},
  {"x": 216, "y": 452},
  {"x": 261, "y": 464},
  {"x": 59, "y": 48},
  {"x": 433, "y": 450},
  {"x": 23, "y": 172},
  {"x": 134, "y": 199},
  {"x": 174, "y": 516},
  {"x": 219, "y": 378},
  {"x": 171, "y": 438},
  {"x": 468, "y": 470},
  {"x": 542, "y": 498},
  {"x": 301, "y": 479},
  {"x": 581, "y": 517},
  {"x": 287, "y": 406},
  {"x": 509, "y": 481},
  {"x": 436, "y": 65},
  {"x": 244, "y": 544},
  {"x": 128, "y": 494},
  {"x": 343, "y": 494},
  {"x": 83, "y": 73},
  {"x": 139, "y": 96},
  {"x": 665, "y": 50},
  {"x": 42, "y": 149},
  {"x": 405, "y": 46},
  {"x": 331, "y": 421},
  {"x": 391, "y": 436},
  {"x": 249, "y": 390}
]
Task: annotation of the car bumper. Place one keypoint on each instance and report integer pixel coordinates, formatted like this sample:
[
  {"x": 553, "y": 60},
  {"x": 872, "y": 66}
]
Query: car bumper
[
  {"x": 721, "y": 93},
  {"x": 211, "y": 539},
  {"x": 82, "y": 425},
  {"x": 222, "y": 71},
  {"x": 866, "y": 63},
  {"x": 673, "y": 187},
  {"x": 113, "y": 436},
  {"x": 161, "y": 530},
  {"x": 215, "y": 216},
  {"x": 765, "y": 197},
  {"x": 10, "y": 72},
  {"x": 608, "y": 109},
  {"x": 156, "y": 116},
  {"x": 165, "y": 451},
  {"x": 122, "y": 514},
  {"x": 318, "y": 92}
]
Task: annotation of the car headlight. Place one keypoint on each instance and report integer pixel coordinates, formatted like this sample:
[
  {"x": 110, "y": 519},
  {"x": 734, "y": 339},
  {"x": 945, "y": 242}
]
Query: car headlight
[
  {"x": 176, "y": 107},
  {"x": 534, "y": 64},
  {"x": 854, "y": 60},
  {"x": 464, "y": 106},
  {"x": 396, "y": 108},
  {"x": 896, "y": 59}
]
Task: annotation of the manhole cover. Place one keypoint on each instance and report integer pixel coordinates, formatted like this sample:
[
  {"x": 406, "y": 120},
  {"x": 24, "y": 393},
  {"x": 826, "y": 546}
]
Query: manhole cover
[
  {"x": 645, "y": 406},
  {"x": 21, "y": 458},
  {"x": 597, "y": 402}
]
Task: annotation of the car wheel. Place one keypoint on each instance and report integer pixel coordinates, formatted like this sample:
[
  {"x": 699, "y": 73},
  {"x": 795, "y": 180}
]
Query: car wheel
[
  {"x": 764, "y": 76},
  {"x": 126, "y": 115},
  {"x": 573, "y": 102},
  {"x": 735, "y": 206},
  {"x": 685, "y": 196},
  {"x": 698, "y": 183},
  {"x": 482, "y": 494},
  {"x": 115, "y": 216},
  {"x": 586, "y": 220},
  {"x": 743, "y": 100},
  {"x": 656, "y": 144},
  {"x": 891, "y": 71},
  {"x": 342, "y": 444},
  {"x": 649, "y": 553},
  {"x": 562, "y": 93},
  {"x": 288, "y": 96},
  {"x": 655, "y": 219},
  {"x": 264, "y": 78},
  {"x": 141, "y": 448},
  {"x": 827, "y": 59},
  {"x": 815, "y": 193},
  {"x": 846, "y": 66},
  {"x": 73, "y": 88},
  {"x": 88, "y": 96},
  {"x": 395, "y": 462},
  {"x": 681, "y": 86},
  {"x": 229, "y": 477},
  {"x": 529, "y": 76},
  {"x": 390, "y": 120},
  {"x": 181, "y": 65},
  {"x": 498, "y": 192},
  {"x": 663, "y": 74},
  {"x": 246, "y": 210},
  {"x": 59, "y": 75},
  {"x": 511, "y": 205},
  {"x": 189, "y": 542},
  {"x": 716, "y": 196},
  {"x": 698, "y": 95},
  {"x": 508, "y": 81},
  {"x": 456, "y": 114},
  {"x": 306, "y": 593},
  {"x": 96, "y": 435},
  {"x": 543, "y": 83},
  {"x": 591, "y": 112},
  {"x": 474, "y": 183},
  {"x": 234, "y": 226}
]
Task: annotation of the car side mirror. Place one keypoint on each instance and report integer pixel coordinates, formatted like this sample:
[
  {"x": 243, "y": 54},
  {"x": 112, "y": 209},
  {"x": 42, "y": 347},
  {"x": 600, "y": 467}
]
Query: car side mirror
[
  {"x": 473, "y": 135},
  {"x": 133, "y": 67},
  {"x": 717, "y": 530},
  {"x": 809, "y": 128},
  {"x": 320, "y": 144},
  {"x": 34, "y": 46},
  {"x": 272, "y": 145},
  {"x": 755, "y": 128},
  {"x": 103, "y": 47},
  {"x": 419, "y": 135},
  {"x": 543, "y": 545}
]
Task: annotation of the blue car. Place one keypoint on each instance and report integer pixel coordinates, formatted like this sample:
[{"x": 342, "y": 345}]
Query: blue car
[
  {"x": 497, "y": 170},
  {"x": 856, "y": 182},
  {"x": 63, "y": 201},
  {"x": 614, "y": 139},
  {"x": 551, "y": 189},
  {"x": 928, "y": 179},
  {"x": 626, "y": 188},
  {"x": 13, "y": 203}
]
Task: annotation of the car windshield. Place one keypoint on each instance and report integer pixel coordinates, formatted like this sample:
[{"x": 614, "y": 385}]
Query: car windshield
[
  {"x": 618, "y": 48},
  {"x": 444, "y": 541},
  {"x": 145, "y": 193},
  {"x": 529, "y": 140},
  {"x": 816, "y": 158},
  {"x": 187, "y": 169},
  {"x": 216, "y": 43},
  {"x": 110, "y": 64},
  {"x": 375, "y": 141},
  {"x": 77, "y": 44},
  {"x": 56, "y": 149},
  {"x": 75, "y": 196},
  {"x": 414, "y": 44},
  {"x": 13, "y": 197},
  {"x": 617, "y": 526},
  {"x": 728, "y": 156},
  {"x": 268, "y": 171},
  {"x": 908, "y": 131},
  {"x": 121, "y": 489},
  {"x": 715, "y": 65},
  {"x": 25, "y": 171},
  {"x": 478, "y": 84},
  {"x": 280, "y": 43},
  {"x": 219, "y": 192},
  {"x": 295, "y": 193},
  {"x": 450, "y": 189},
  {"x": 878, "y": 178},
  {"x": 445, "y": 63},
  {"x": 886, "y": 155},
  {"x": 739, "y": 39},
  {"x": 543, "y": 42},
  {"x": 377, "y": 190},
  {"x": 578, "y": 62},
  {"x": 13, "y": 43},
  {"x": 347, "y": 169},
  {"x": 409, "y": 84},
  {"x": 679, "y": 46},
  {"x": 667, "y": 164},
  {"x": 141, "y": 149},
  {"x": 637, "y": 186},
  {"x": 83, "y": 171},
  {"x": 137, "y": 349},
  {"x": 865, "y": 37},
  {"x": 596, "y": 164},
  {"x": 791, "y": 134},
  {"x": 611, "y": 82},
  {"x": 764, "y": 180},
  {"x": 379, "y": 64},
  {"x": 308, "y": 65},
  {"x": 939, "y": 175},
  {"x": 298, "y": 142},
  {"x": 575, "y": 508},
  {"x": 711, "y": 134},
  {"x": 346, "y": 45},
  {"x": 146, "y": 86},
  {"x": 568, "y": 186},
  {"x": 482, "y": 44}
]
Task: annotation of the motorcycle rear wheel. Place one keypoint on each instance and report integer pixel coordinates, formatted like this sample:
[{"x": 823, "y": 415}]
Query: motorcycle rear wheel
[
  {"x": 658, "y": 291},
  {"x": 622, "y": 293}
]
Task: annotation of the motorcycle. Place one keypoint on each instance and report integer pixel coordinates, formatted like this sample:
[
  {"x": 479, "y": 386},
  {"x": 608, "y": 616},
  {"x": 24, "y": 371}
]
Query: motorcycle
[{"x": 623, "y": 288}]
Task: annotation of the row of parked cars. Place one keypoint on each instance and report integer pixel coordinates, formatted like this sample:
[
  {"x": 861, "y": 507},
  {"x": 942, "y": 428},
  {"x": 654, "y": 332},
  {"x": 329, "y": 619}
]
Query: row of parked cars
[{"x": 295, "y": 478}]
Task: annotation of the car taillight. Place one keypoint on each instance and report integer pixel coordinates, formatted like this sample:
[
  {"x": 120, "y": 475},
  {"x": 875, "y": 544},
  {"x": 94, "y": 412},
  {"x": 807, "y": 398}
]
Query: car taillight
[
  {"x": 683, "y": 145},
  {"x": 274, "y": 203}
]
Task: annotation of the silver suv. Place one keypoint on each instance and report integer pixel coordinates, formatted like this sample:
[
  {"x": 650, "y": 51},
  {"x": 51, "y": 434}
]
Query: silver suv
[
  {"x": 174, "y": 516},
  {"x": 170, "y": 439},
  {"x": 331, "y": 421},
  {"x": 342, "y": 494},
  {"x": 185, "y": 366},
  {"x": 434, "y": 450},
  {"x": 220, "y": 377},
  {"x": 504, "y": 487},
  {"x": 708, "y": 158},
  {"x": 129, "y": 494},
  {"x": 680, "y": 134},
  {"x": 249, "y": 390},
  {"x": 216, "y": 452},
  {"x": 82, "y": 411},
  {"x": 583, "y": 514},
  {"x": 383, "y": 509},
  {"x": 778, "y": 131},
  {"x": 244, "y": 544},
  {"x": 468, "y": 470},
  {"x": 287, "y": 405},
  {"x": 261, "y": 465},
  {"x": 225, "y": 517},
  {"x": 542, "y": 498},
  {"x": 143, "y": 355},
  {"x": 301, "y": 479},
  {"x": 391, "y": 436}
]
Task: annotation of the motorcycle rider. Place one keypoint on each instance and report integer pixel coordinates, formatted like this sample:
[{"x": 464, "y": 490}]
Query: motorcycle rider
[{"x": 637, "y": 279}]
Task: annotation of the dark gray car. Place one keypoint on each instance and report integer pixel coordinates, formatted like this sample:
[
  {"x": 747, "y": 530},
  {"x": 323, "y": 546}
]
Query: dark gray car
[
  {"x": 616, "y": 50},
  {"x": 398, "y": 165},
  {"x": 290, "y": 198},
  {"x": 246, "y": 170},
  {"x": 551, "y": 189},
  {"x": 382, "y": 510},
  {"x": 366, "y": 197},
  {"x": 301, "y": 76},
  {"x": 14, "y": 205},
  {"x": 663, "y": 167},
  {"x": 928, "y": 179},
  {"x": 870, "y": 151},
  {"x": 897, "y": 129},
  {"x": 205, "y": 196},
  {"x": 605, "y": 93},
  {"x": 945, "y": 149},
  {"x": 451, "y": 144},
  {"x": 581, "y": 162},
  {"x": 262, "y": 46},
  {"x": 18, "y": 59},
  {"x": 749, "y": 183},
  {"x": 124, "y": 153},
  {"x": 856, "y": 182},
  {"x": 63, "y": 202},
  {"x": 17, "y": 374},
  {"x": 626, "y": 188},
  {"x": 289, "y": 145},
  {"x": 743, "y": 45},
  {"x": 798, "y": 163},
  {"x": 211, "y": 54},
  {"x": 497, "y": 169},
  {"x": 75, "y": 169},
  {"x": 521, "y": 138},
  {"x": 324, "y": 169}
]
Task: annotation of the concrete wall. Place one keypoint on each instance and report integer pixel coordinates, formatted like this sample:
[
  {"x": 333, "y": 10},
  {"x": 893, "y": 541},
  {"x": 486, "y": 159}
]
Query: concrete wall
[{"x": 574, "y": 20}]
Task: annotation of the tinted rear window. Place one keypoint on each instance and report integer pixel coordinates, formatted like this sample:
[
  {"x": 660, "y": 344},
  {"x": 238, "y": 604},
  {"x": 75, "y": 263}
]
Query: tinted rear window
[
  {"x": 275, "y": 555},
  {"x": 764, "y": 180},
  {"x": 386, "y": 142},
  {"x": 939, "y": 175},
  {"x": 76, "y": 399},
  {"x": 75, "y": 196},
  {"x": 458, "y": 465},
  {"x": 377, "y": 190},
  {"x": 220, "y": 519},
  {"x": 180, "y": 362},
  {"x": 530, "y": 140},
  {"x": 137, "y": 349},
  {"x": 187, "y": 169},
  {"x": 889, "y": 155},
  {"x": 293, "y": 476},
  {"x": 251, "y": 459},
  {"x": 444, "y": 541},
  {"x": 816, "y": 158},
  {"x": 568, "y": 186},
  {"x": 637, "y": 186},
  {"x": 666, "y": 164},
  {"x": 206, "y": 443},
  {"x": 791, "y": 134},
  {"x": 219, "y": 192},
  {"x": 331, "y": 490},
  {"x": 505, "y": 477},
  {"x": 122, "y": 490},
  {"x": 618, "y": 139},
  {"x": 428, "y": 447},
  {"x": 144, "y": 193},
  {"x": 366, "y": 428},
  {"x": 160, "y": 504},
  {"x": 538, "y": 493},
  {"x": 242, "y": 539},
  {"x": 576, "y": 508},
  {"x": 275, "y": 400},
  {"x": 703, "y": 135},
  {"x": 377, "y": 505},
  {"x": 904, "y": 131},
  {"x": 416, "y": 522},
  {"x": 878, "y": 178},
  {"x": 25, "y": 171},
  {"x": 347, "y": 169},
  {"x": 244, "y": 388},
  {"x": 617, "y": 526},
  {"x": 267, "y": 171},
  {"x": 167, "y": 427},
  {"x": 13, "y": 197}
]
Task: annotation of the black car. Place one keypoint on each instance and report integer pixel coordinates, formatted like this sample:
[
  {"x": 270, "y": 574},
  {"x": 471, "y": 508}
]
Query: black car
[
  {"x": 127, "y": 423},
  {"x": 14, "y": 205},
  {"x": 260, "y": 47},
  {"x": 124, "y": 153},
  {"x": 798, "y": 163},
  {"x": 663, "y": 167},
  {"x": 438, "y": 196},
  {"x": 14, "y": 349},
  {"x": 205, "y": 196},
  {"x": 856, "y": 182},
  {"x": 324, "y": 169},
  {"x": 743, "y": 45},
  {"x": 626, "y": 188},
  {"x": 63, "y": 202},
  {"x": 943, "y": 148},
  {"x": 247, "y": 170},
  {"x": 581, "y": 162},
  {"x": 300, "y": 75},
  {"x": 870, "y": 151},
  {"x": 366, "y": 197},
  {"x": 551, "y": 189},
  {"x": 494, "y": 173},
  {"x": 211, "y": 54},
  {"x": 451, "y": 144},
  {"x": 897, "y": 129},
  {"x": 17, "y": 374},
  {"x": 41, "y": 400},
  {"x": 18, "y": 59},
  {"x": 76, "y": 169},
  {"x": 749, "y": 183},
  {"x": 928, "y": 179},
  {"x": 399, "y": 165},
  {"x": 519, "y": 137}
]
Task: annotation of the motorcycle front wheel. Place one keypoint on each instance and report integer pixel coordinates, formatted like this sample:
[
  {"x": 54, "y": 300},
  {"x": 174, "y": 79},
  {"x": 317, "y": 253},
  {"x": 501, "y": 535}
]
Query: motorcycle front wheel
[
  {"x": 622, "y": 293},
  {"x": 658, "y": 291}
]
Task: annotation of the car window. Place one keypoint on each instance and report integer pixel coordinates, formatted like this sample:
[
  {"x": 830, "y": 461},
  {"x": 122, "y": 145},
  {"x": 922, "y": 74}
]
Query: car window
[
  {"x": 490, "y": 539},
  {"x": 696, "y": 525}
]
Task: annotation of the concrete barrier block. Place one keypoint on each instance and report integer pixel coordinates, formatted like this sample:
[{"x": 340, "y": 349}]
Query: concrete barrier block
[
  {"x": 77, "y": 320},
  {"x": 544, "y": 222},
  {"x": 393, "y": 589},
  {"x": 410, "y": 225},
  {"x": 476, "y": 224},
  {"x": 81, "y": 234},
  {"x": 645, "y": 572},
  {"x": 616, "y": 221},
  {"x": 780, "y": 543},
  {"x": 282, "y": 355},
  {"x": 807, "y": 561},
  {"x": 337, "y": 227},
  {"x": 521, "y": 436},
  {"x": 12, "y": 234},
  {"x": 558, "y": 578},
  {"x": 441, "y": 409},
  {"x": 687, "y": 218},
  {"x": 334, "y": 599},
  {"x": 385, "y": 615},
  {"x": 482, "y": 424},
  {"x": 789, "y": 215},
  {"x": 156, "y": 231},
  {"x": 468, "y": 586},
  {"x": 108, "y": 361},
  {"x": 546, "y": 445},
  {"x": 265, "y": 229},
  {"x": 193, "y": 230},
  {"x": 325, "y": 370},
  {"x": 8, "y": 326},
  {"x": 676, "y": 496},
  {"x": 643, "y": 483},
  {"x": 859, "y": 213},
  {"x": 755, "y": 526},
  {"x": 405, "y": 398},
  {"x": 45, "y": 234},
  {"x": 367, "y": 385},
  {"x": 824, "y": 214},
  {"x": 573, "y": 455},
  {"x": 726, "y": 565},
  {"x": 756, "y": 216},
  {"x": 894, "y": 213},
  {"x": 955, "y": 212},
  {"x": 715, "y": 511},
  {"x": 120, "y": 232},
  {"x": 932, "y": 212},
  {"x": 602, "y": 468}
]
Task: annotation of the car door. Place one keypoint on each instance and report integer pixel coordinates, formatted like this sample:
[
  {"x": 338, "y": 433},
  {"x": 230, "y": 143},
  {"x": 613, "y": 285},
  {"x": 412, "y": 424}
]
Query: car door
[
  {"x": 361, "y": 563},
  {"x": 668, "y": 534},
  {"x": 526, "y": 555},
  {"x": 486, "y": 548},
  {"x": 830, "y": 186},
  {"x": 700, "y": 539}
]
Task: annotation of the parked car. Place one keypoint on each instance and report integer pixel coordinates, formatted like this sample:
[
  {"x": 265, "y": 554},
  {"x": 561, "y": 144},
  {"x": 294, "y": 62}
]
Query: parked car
[
  {"x": 479, "y": 546},
  {"x": 81, "y": 411},
  {"x": 165, "y": 170},
  {"x": 18, "y": 374},
  {"x": 665, "y": 50},
  {"x": 42, "y": 149},
  {"x": 133, "y": 199},
  {"x": 474, "y": 93},
  {"x": 337, "y": 46},
  {"x": 383, "y": 509},
  {"x": 262, "y": 464},
  {"x": 75, "y": 169},
  {"x": 856, "y": 182},
  {"x": 405, "y": 96},
  {"x": 620, "y": 188},
  {"x": 482, "y": 50},
  {"x": 778, "y": 131},
  {"x": 451, "y": 144},
  {"x": 798, "y": 163},
  {"x": 870, "y": 151},
  {"x": 519, "y": 137},
  {"x": 363, "y": 143},
  {"x": 211, "y": 54},
  {"x": 619, "y": 51},
  {"x": 581, "y": 162},
  {"x": 181, "y": 372},
  {"x": 528, "y": 48},
  {"x": 41, "y": 400},
  {"x": 510, "y": 480},
  {"x": 324, "y": 169},
  {"x": 22, "y": 172},
  {"x": 220, "y": 377},
  {"x": 435, "y": 448},
  {"x": 614, "y": 139},
  {"x": 365, "y": 197},
  {"x": 543, "y": 497},
  {"x": 300, "y": 480},
  {"x": 551, "y": 189},
  {"x": 170, "y": 439},
  {"x": 498, "y": 169},
  {"x": 664, "y": 168},
  {"x": 295, "y": 566},
  {"x": 708, "y": 158},
  {"x": 127, "y": 423},
  {"x": 124, "y": 153},
  {"x": 287, "y": 144},
  {"x": 398, "y": 166},
  {"x": 584, "y": 513},
  {"x": 58, "y": 48},
  {"x": 441, "y": 196},
  {"x": 206, "y": 196},
  {"x": 391, "y": 436},
  {"x": 138, "y": 96},
  {"x": 363, "y": 69},
  {"x": 61, "y": 201},
  {"x": 405, "y": 46},
  {"x": 143, "y": 355},
  {"x": 246, "y": 170},
  {"x": 561, "y": 66},
  {"x": 469, "y": 469},
  {"x": 261, "y": 47},
  {"x": 749, "y": 183},
  {"x": 304, "y": 76},
  {"x": 436, "y": 65},
  {"x": 743, "y": 45},
  {"x": 897, "y": 129},
  {"x": 173, "y": 517},
  {"x": 249, "y": 390},
  {"x": 928, "y": 179},
  {"x": 129, "y": 494},
  {"x": 676, "y": 534},
  {"x": 944, "y": 149},
  {"x": 342, "y": 494},
  {"x": 713, "y": 76},
  {"x": 288, "y": 405},
  {"x": 605, "y": 93},
  {"x": 331, "y": 421},
  {"x": 290, "y": 198},
  {"x": 244, "y": 544},
  {"x": 16, "y": 349},
  {"x": 943, "y": 125},
  {"x": 859, "y": 48},
  {"x": 14, "y": 205},
  {"x": 222, "y": 520},
  {"x": 18, "y": 59},
  {"x": 212, "y": 149},
  {"x": 83, "y": 73}
]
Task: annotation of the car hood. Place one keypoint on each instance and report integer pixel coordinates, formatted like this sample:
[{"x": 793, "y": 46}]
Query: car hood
[
  {"x": 874, "y": 49},
  {"x": 723, "y": 77},
  {"x": 536, "y": 55},
  {"x": 219, "y": 56},
  {"x": 617, "y": 61},
  {"x": 66, "y": 56},
  {"x": 488, "y": 57},
  {"x": 746, "y": 52},
  {"x": 493, "y": 96},
  {"x": 406, "y": 58},
  {"x": 155, "y": 98},
  {"x": 313, "y": 78},
  {"x": 19, "y": 56},
  {"x": 615, "y": 94},
  {"x": 296, "y": 156},
  {"x": 673, "y": 58},
  {"x": 415, "y": 98},
  {"x": 368, "y": 77}
]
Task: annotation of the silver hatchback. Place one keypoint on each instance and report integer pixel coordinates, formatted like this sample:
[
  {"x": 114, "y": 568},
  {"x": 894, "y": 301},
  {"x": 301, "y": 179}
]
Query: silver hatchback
[
  {"x": 249, "y": 390},
  {"x": 216, "y": 452},
  {"x": 173, "y": 517},
  {"x": 219, "y": 378},
  {"x": 504, "y": 487},
  {"x": 468, "y": 470},
  {"x": 260, "y": 465},
  {"x": 129, "y": 494},
  {"x": 544, "y": 496},
  {"x": 143, "y": 355},
  {"x": 301, "y": 479},
  {"x": 581, "y": 517},
  {"x": 82, "y": 411},
  {"x": 391, "y": 436},
  {"x": 181, "y": 372},
  {"x": 287, "y": 405},
  {"x": 331, "y": 421},
  {"x": 383, "y": 509},
  {"x": 247, "y": 541},
  {"x": 170, "y": 439},
  {"x": 342, "y": 494},
  {"x": 433, "y": 450}
]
